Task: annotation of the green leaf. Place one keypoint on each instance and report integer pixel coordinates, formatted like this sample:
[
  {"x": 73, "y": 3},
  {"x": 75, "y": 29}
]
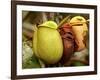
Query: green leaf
[
  {"x": 77, "y": 63},
  {"x": 31, "y": 63},
  {"x": 29, "y": 60}
]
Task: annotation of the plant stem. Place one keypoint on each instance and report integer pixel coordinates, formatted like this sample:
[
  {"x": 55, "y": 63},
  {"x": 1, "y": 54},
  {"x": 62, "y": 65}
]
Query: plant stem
[{"x": 65, "y": 20}]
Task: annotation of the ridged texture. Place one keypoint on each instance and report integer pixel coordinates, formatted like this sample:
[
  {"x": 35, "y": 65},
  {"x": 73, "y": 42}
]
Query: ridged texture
[{"x": 68, "y": 42}]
